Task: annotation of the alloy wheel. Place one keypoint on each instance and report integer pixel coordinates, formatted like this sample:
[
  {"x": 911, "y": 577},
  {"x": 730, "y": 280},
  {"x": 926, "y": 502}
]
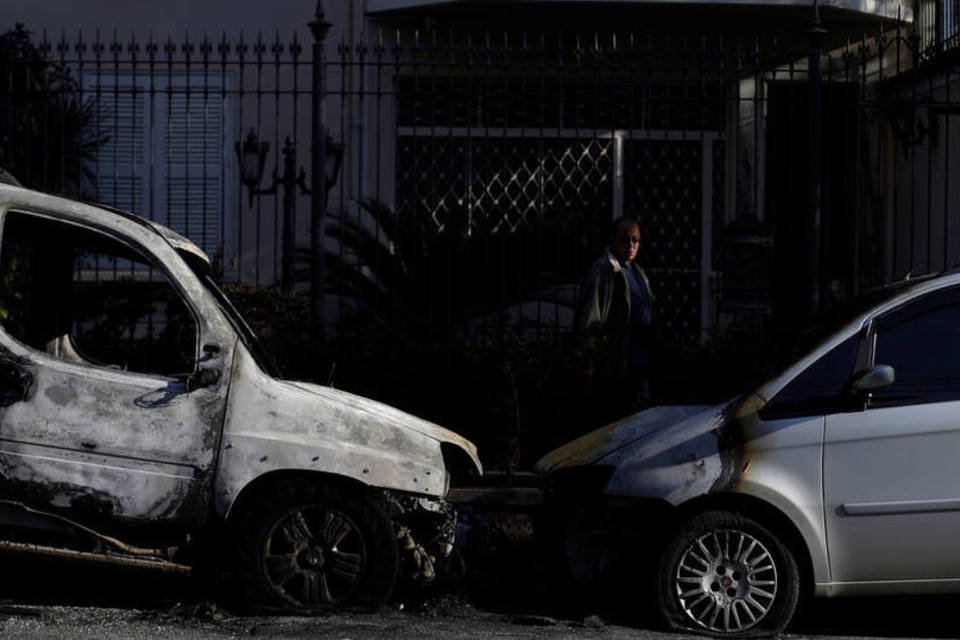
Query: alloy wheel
[
  {"x": 726, "y": 581},
  {"x": 314, "y": 556}
]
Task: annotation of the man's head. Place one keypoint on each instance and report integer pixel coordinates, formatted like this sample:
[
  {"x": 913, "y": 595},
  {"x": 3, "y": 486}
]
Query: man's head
[{"x": 625, "y": 239}]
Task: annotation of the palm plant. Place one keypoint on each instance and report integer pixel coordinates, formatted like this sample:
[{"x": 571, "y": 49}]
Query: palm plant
[
  {"x": 399, "y": 266},
  {"x": 48, "y": 137}
]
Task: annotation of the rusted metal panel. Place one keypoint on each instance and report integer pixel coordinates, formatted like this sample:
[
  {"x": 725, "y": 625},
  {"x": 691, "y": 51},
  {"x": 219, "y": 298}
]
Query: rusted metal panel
[{"x": 72, "y": 554}]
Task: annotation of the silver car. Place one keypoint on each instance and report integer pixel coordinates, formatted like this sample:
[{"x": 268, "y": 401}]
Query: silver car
[{"x": 838, "y": 476}]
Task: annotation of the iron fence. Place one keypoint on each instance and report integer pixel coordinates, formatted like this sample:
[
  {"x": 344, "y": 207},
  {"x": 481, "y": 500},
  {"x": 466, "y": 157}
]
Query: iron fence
[
  {"x": 151, "y": 126},
  {"x": 480, "y": 171}
]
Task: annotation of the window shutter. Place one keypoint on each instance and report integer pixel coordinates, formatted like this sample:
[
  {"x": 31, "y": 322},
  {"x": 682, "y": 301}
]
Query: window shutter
[
  {"x": 121, "y": 161},
  {"x": 165, "y": 155},
  {"x": 194, "y": 160}
]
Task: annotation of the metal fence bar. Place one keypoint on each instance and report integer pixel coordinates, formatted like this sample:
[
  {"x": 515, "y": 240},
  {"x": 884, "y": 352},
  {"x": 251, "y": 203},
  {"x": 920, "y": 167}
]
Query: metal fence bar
[{"x": 482, "y": 168}]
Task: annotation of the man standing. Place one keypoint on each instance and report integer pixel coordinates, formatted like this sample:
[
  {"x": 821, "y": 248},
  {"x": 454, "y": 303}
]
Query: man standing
[{"x": 615, "y": 310}]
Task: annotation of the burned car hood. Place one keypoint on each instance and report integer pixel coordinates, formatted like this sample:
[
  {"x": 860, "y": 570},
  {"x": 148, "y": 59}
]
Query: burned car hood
[
  {"x": 610, "y": 443},
  {"x": 280, "y": 426},
  {"x": 384, "y": 413},
  {"x": 671, "y": 453}
]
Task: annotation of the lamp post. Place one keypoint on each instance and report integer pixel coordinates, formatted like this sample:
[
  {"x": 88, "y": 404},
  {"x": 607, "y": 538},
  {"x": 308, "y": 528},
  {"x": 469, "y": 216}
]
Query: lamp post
[
  {"x": 319, "y": 27},
  {"x": 252, "y": 155},
  {"x": 816, "y": 35}
]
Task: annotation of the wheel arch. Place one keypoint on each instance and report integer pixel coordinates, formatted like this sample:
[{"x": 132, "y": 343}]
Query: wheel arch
[
  {"x": 765, "y": 514},
  {"x": 271, "y": 498},
  {"x": 264, "y": 482}
]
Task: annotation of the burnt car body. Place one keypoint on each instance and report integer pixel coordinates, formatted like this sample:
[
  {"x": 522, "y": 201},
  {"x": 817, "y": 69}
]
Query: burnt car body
[
  {"x": 140, "y": 424},
  {"x": 837, "y": 476}
]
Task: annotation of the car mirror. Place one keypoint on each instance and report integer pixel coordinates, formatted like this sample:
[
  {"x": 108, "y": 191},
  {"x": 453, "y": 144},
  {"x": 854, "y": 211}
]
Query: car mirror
[{"x": 876, "y": 377}]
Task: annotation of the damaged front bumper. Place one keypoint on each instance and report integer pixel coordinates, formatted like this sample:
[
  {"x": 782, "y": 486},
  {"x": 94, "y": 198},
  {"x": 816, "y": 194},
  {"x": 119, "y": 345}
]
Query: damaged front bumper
[
  {"x": 425, "y": 529},
  {"x": 602, "y": 536}
]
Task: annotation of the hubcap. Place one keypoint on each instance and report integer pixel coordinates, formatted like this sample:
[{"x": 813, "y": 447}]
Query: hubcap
[
  {"x": 314, "y": 556},
  {"x": 726, "y": 581}
]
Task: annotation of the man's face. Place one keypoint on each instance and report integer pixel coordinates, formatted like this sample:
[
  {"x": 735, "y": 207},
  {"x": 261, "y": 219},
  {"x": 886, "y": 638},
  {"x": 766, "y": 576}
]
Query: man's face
[{"x": 626, "y": 242}]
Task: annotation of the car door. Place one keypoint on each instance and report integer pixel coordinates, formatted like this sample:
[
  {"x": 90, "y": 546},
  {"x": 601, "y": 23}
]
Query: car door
[
  {"x": 102, "y": 413},
  {"x": 891, "y": 470}
]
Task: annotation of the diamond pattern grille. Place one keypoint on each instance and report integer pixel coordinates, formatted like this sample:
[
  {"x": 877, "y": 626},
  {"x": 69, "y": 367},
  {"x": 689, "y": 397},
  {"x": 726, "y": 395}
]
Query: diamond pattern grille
[
  {"x": 663, "y": 190},
  {"x": 432, "y": 179},
  {"x": 503, "y": 185}
]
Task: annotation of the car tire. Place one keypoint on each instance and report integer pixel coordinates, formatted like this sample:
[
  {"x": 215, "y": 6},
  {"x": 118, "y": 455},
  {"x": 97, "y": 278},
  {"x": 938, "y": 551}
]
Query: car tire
[
  {"x": 723, "y": 574},
  {"x": 311, "y": 548}
]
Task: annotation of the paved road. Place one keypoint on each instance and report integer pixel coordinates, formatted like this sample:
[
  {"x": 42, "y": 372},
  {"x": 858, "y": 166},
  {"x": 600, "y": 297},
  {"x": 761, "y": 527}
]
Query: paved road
[
  {"x": 195, "y": 622},
  {"x": 46, "y": 599}
]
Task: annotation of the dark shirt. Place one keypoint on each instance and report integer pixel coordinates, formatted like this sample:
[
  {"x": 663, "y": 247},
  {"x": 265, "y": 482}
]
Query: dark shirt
[{"x": 641, "y": 318}]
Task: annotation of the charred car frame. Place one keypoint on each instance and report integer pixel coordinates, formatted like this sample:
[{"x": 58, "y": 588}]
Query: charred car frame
[{"x": 140, "y": 424}]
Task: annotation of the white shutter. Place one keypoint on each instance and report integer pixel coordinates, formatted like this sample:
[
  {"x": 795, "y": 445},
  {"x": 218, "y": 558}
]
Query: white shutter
[
  {"x": 194, "y": 161},
  {"x": 121, "y": 162},
  {"x": 165, "y": 156}
]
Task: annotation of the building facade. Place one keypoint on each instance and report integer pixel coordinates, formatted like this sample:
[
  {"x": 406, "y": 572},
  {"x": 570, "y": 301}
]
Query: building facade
[{"x": 780, "y": 157}]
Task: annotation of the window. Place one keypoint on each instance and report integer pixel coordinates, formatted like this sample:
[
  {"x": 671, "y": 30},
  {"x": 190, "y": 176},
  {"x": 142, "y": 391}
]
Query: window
[
  {"x": 937, "y": 24},
  {"x": 85, "y": 297},
  {"x": 922, "y": 344},
  {"x": 819, "y": 388},
  {"x": 166, "y": 155}
]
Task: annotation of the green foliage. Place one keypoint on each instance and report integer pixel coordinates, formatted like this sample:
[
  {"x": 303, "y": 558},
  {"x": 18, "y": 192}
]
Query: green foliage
[
  {"x": 517, "y": 391},
  {"x": 48, "y": 139},
  {"x": 281, "y": 319},
  {"x": 400, "y": 267}
]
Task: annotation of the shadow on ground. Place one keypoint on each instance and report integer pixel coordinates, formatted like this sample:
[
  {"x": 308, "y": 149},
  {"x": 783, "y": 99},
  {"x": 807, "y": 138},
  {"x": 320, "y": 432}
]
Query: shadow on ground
[{"x": 513, "y": 578}]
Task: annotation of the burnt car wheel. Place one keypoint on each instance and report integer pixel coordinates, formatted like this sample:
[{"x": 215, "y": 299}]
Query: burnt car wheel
[
  {"x": 311, "y": 549},
  {"x": 725, "y": 575}
]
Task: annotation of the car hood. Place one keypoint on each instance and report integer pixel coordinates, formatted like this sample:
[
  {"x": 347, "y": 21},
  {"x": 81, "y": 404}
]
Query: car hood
[
  {"x": 367, "y": 409},
  {"x": 673, "y": 453},
  {"x": 611, "y": 443},
  {"x": 282, "y": 426}
]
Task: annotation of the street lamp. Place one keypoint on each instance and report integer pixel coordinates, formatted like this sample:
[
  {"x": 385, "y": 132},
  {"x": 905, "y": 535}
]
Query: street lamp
[{"x": 252, "y": 155}]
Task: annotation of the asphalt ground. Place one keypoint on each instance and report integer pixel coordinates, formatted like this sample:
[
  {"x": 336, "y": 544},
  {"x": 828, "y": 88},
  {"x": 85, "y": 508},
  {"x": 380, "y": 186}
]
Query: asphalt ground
[{"x": 46, "y": 598}]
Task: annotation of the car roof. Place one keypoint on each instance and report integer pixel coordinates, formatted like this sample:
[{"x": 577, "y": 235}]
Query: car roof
[
  {"x": 884, "y": 299},
  {"x": 23, "y": 196}
]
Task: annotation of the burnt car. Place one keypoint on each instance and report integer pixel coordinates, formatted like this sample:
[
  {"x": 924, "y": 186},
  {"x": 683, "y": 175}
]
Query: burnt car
[
  {"x": 141, "y": 424},
  {"x": 837, "y": 476}
]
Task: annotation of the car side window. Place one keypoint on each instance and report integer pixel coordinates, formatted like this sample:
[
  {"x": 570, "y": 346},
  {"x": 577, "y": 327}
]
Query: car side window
[
  {"x": 924, "y": 350},
  {"x": 83, "y": 296},
  {"x": 819, "y": 388}
]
